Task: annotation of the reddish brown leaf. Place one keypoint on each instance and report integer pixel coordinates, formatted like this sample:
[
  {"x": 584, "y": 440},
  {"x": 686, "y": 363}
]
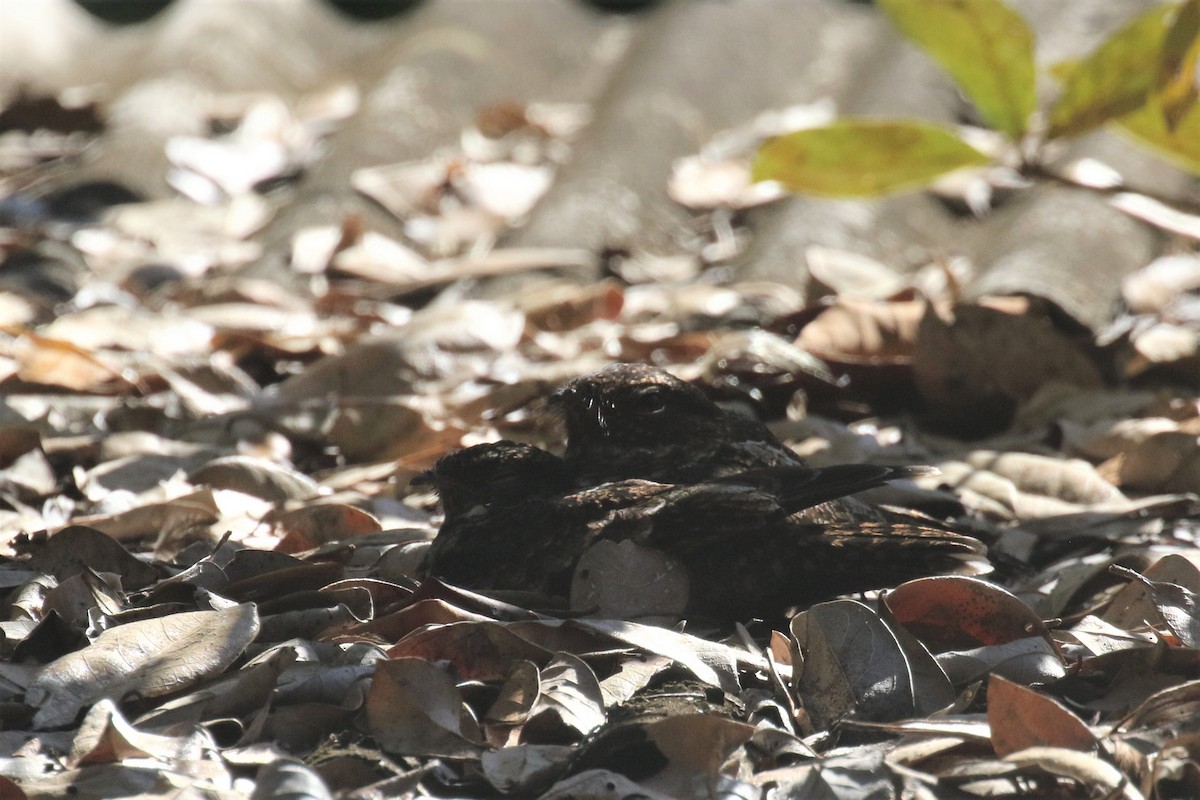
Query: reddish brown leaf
[{"x": 306, "y": 528}]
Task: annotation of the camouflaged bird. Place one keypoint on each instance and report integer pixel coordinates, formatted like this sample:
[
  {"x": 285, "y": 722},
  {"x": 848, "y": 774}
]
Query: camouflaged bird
[
  {"x": 636, "y": 421},
  {"x": 514, "y": 522}
]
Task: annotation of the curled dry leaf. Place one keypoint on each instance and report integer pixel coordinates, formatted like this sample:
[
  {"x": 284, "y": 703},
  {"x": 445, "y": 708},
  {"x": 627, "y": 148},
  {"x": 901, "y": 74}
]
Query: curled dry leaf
[
  {"x": 632, "y": 676},
  {"x": 1026, "y": 486},
  {"x": 117, "y": 327},
  {"x": 566, "y": 306},
  {"x": 518, "y": 695},
  {"x": 58, "y": 363},
  {"x": 1166, "y": 595},
  {"x": 568, "y": 703},
  {"x": 151, "y": 658},
  {"x": 1108, "y": 438},
  {"x": 170, "y": 519},
  {"x": 1086, "y": 768},
  {"x": 711, "y": 662},
  {"x": 1070, "y": 480},
  {"x": 1163, "y": 711},
  {"x": 403, "y": 189},
  {"x": 1165, "y": 346},
  {"x": 952, "y": 611},
  {"x": 505, "y": 189},
  {"x": 375, "y": 257},
  {"x": 105, "y": 736}
]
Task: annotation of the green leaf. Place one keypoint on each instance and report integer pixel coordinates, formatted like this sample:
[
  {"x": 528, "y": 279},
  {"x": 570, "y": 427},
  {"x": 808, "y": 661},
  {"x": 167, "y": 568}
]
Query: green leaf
[
  {"x": 1179, "y": 142},
  {"x": 1177, "y": 64},
  {"x": 985, "y": 46},
  {"x": 1116, "y": 78},
  {"x": 855, "y": 158}
]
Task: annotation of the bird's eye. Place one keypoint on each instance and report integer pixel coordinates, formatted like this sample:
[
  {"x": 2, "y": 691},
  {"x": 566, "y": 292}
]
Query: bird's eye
[{"x": 651, "y": 402}]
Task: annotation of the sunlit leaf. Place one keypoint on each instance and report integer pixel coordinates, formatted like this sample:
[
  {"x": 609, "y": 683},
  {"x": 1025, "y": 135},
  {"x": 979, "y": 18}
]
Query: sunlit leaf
[
  {"x": 1177, "y": 64},
  {"x": 864, "y": 157},
  {"x": 1116, "y": 78},
  {"x": 1151, "y": 126},
  {"x": 985, "y": 46},
  {"x": 150, "y": 657}
]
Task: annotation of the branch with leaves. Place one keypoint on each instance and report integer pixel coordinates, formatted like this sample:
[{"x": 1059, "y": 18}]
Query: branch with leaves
[{"x": 1142, "y": 80}]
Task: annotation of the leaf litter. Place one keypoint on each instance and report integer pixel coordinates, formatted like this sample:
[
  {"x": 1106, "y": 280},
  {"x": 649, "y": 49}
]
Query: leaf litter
[{"x": 212, "y": 552}]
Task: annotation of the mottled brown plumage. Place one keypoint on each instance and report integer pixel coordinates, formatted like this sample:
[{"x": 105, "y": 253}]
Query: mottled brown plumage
[
  {"x": 636, "y": 421},
  {"x": 510, "y": 524}
]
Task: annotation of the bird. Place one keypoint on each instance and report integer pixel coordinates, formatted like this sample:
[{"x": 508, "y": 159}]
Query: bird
[
  {"x": 513, "y": 520},
  {"x": 631, "y": 421}
]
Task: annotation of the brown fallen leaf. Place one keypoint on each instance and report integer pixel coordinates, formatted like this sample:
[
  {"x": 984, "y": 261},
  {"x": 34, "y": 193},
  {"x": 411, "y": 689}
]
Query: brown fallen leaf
[
  {"x": 305, "y": 528},
  {"x": 1021, "y": 718},
  {"x": 1176, "y": 605},
  {"x": 77, "y": 548},
  {"x": 684, "y": 752},
  {"x": 857, "y": 331},
  {"x": 568, "y": 704},
  {"x": 150, "y": 658},
  {"x": 105, "y": 736},
  {"x": 53, "y": 362},
  {"x": 1166, "y": 461},
  {"x": 976, "y": 364},
  {"x": 974, "y": 627},
  {"x": 526, "y": 768},
  {"x": 480, "y": 651},
  {"x": 414, "y": 708},
  {"x": 853, "y": 665},
  {"x": 257, "y": 477}
]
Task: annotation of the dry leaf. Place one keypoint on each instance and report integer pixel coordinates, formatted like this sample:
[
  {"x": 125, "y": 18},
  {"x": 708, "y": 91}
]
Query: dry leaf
[
  {"x": 975, "y": 364},
  {"x": 1021, "y": 718},
  {"x": 150, "y": 658},
  {"x": 414, "y": 708}
]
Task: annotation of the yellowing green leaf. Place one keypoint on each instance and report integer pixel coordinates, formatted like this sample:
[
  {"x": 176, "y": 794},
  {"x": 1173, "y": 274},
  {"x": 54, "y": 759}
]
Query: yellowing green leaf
[
  {"x": 1150, "y": 126},
  {"x": 985, "y": 46},
  {"x": 1116, "y": 78},
  {"x": 854, "y": 158},
  {"x": 1177, "y": 64}
]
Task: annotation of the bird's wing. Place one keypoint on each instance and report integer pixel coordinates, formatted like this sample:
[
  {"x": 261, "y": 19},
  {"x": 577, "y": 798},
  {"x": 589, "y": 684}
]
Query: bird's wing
[
  {"x": 798, "y": 487},
  {"x": 706, "y": 515}
]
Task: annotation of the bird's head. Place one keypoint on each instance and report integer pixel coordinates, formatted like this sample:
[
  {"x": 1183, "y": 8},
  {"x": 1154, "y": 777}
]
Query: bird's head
[
  {"x": 634, "y": 406},
  {"x": 498, "y": 474}
]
